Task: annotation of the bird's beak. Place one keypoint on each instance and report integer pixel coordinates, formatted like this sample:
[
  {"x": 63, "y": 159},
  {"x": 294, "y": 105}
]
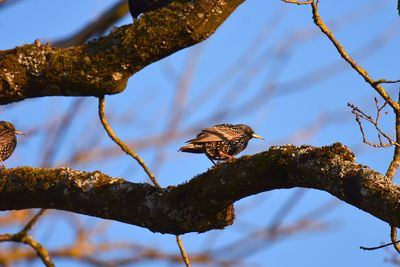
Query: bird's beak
[
  {"x": 257, "y": 136},
  {"x": 19, "y": 132}
]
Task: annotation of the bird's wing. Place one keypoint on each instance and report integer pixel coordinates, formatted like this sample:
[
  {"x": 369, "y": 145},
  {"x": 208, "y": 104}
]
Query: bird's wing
[
  {"x": 214, "y": 134},
  {"x": 4, "y": 139}
]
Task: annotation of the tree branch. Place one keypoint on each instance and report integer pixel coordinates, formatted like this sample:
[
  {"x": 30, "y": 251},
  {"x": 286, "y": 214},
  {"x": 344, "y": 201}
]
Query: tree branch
[
  {"x": 103, "y": 66},
  {"x": 205, "y": 202}
]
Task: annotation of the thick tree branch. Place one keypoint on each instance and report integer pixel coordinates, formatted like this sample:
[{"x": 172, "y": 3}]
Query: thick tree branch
[
  {"x": 205, "y": 202},
  {"x": 104, "y": 66}
]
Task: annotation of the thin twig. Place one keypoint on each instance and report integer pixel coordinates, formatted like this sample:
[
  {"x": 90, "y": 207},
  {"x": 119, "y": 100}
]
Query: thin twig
[
  {"x": 393, "y": 237},
  {"x": 122, "y": 144},
  {"x": 378, "y": 110},
  {"x": 378, "y": 247},
  {"x": 185, "y": 257},
  {"x": 376, "y": 85},
  {"x": 390, "y": 173},
  {"x": 359, "y": 114},
  {"x": 307, "y": 2},
  {"x": 134, "y": 155},
  {"x": 394, "y": 164},
  {"x": 40, "y": 250},
  {"x": 23, "y": 237},
  {"x": 35, "y": 218},
  {"x": 343, "y": 53},
  {"x": 386, "y": 81}
]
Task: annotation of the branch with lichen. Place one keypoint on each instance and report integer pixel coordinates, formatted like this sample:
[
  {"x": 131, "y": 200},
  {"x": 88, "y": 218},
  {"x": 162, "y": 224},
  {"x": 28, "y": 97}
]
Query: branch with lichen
[
  {"x": 205, "y": 202},
  {"x": 103, "y": 66}
]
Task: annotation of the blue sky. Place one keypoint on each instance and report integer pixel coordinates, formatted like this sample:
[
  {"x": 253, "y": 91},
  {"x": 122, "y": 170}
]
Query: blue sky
[{"x": 276, "y": 88}]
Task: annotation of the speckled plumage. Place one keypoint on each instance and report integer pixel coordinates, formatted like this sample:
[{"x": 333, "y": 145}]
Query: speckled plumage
[
  {"x": 221, "y": 142},
  {"x": 8, "y": 140}
]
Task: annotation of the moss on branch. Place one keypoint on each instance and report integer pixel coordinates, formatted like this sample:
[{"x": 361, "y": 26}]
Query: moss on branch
[
  {"x": 103, "y": 66},
  {"x": 204, "y": 202}
]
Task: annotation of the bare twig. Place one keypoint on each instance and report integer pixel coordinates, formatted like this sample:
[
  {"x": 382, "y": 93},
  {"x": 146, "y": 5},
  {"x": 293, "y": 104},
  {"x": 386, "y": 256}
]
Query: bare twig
[
  {"x": 393, "y": 237},
  {"x": 390, "y": 173},
  {"x": 378, "y": 247},
  {"x": 184, "y": 255},
  {"x": 343, "y": 53},
  {"x": 35, "y": 218},
  {"x": 23, "y": 237},
  {"x": 122, "y": 144},
  {"x": 375, "y": 84},
  {"x": 394, "y": 164},
  {"x": 307, "y": 2},
  {"x": 134, "y": 155},
  {"x": 363, "y": 52},
  {"x": 386, "y": 81},
  {"x": 359, "y": 114}
]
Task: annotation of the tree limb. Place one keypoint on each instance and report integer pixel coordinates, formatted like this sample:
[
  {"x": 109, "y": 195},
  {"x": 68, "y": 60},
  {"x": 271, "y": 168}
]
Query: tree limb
[
  {"x": 205, "y": 202},
  {"x": 103, "y": 66}
]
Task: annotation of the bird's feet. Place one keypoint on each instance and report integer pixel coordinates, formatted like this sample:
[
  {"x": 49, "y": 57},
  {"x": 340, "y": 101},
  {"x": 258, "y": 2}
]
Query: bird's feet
[{"x": 229, "y": 157}]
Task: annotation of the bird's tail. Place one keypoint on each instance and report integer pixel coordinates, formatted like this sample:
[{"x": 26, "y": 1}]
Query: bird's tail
[{"x": 191, "y": 148}]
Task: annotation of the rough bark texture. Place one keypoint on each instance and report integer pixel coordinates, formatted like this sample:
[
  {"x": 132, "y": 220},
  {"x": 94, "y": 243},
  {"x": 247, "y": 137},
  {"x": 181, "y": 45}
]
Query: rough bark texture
[
  {"x": 205, "y": 202},
  {"x": 103, "y": 66}
]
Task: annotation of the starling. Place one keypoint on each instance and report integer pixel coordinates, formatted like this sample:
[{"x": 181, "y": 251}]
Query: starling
[
  {"x": 221, "y": 142},
  {"x": 137, "y": 7},
  {"x": 8, "y": 140}
]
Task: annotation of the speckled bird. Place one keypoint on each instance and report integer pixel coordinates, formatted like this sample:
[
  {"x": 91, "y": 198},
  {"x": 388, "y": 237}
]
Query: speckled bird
[
  {"x": 221, "y": 142},
  {"x": 8, "y": 140}
]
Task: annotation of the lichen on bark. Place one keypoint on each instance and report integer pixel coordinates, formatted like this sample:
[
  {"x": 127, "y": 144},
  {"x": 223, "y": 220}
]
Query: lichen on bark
[
  {"x": 206, "y": 201},
  {"x": 103, "y": 66}
]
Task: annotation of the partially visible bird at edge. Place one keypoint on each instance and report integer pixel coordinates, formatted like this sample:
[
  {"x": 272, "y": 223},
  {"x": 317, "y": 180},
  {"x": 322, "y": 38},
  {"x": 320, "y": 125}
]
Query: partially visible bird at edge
[
  {"x": 8, "y": 141},
  {"x": 221, "y": 142},
  {"x": 137, "y": 7}
]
